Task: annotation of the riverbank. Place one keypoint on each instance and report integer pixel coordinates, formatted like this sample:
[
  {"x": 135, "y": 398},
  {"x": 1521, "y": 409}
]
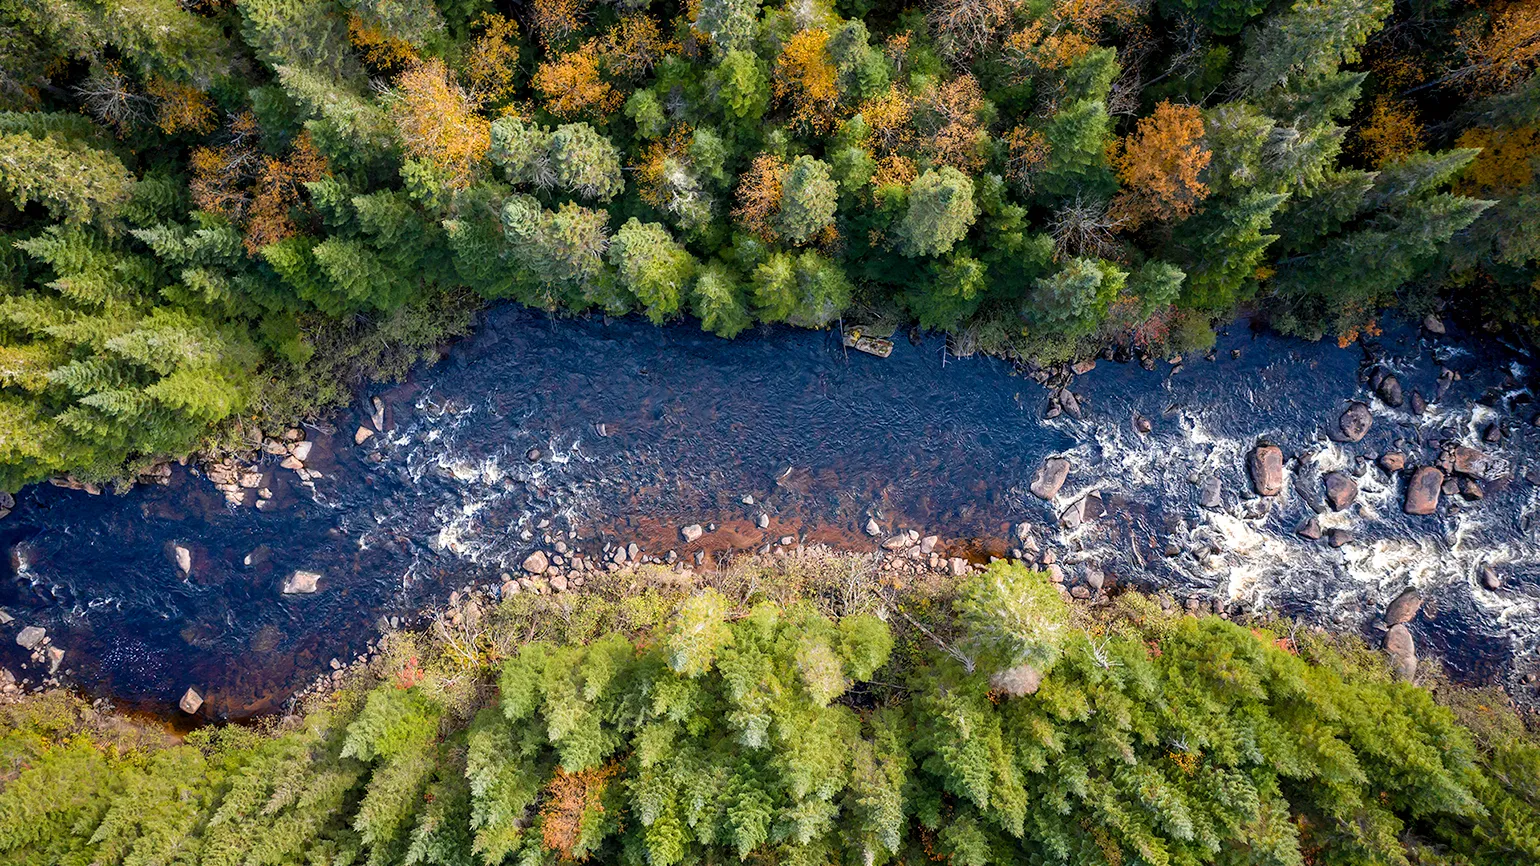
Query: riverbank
[
  {"x": 603, "y": 435},
  {"x": 892, "y": 709}
]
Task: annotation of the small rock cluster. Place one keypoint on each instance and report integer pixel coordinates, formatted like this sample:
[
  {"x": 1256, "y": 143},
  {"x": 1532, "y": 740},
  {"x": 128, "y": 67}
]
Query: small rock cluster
[{"x": 236, "y": 475}]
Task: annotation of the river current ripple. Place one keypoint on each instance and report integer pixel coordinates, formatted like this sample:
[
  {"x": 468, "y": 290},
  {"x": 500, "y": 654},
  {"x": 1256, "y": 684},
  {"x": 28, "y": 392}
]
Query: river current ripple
[{"x": 641, "y": 430}]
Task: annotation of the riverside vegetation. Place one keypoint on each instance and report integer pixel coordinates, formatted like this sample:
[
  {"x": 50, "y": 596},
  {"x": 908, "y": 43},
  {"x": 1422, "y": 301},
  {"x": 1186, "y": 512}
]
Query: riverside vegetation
[
  {"x": 796, "y": 710},
  {"x": 213, "y": 212}
]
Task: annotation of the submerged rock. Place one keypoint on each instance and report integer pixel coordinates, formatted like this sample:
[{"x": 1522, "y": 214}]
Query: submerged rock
[
  {"x": 191, "y": 701},
  {"x": 1266, "y": 467},
  {"x": 1423, "y": 491},
  {"x": 301, "y": 583},
  {"x": 1211, "y": 494}
]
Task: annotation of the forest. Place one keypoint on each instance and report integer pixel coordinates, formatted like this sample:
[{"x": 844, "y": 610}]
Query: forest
[
  {"x": 217, "y": 212},
  {"x": 775, "y": 718}
]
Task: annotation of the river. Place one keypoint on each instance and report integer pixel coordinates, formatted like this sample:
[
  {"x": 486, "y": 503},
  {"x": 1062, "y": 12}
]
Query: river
[{"x": 640, "y": 430}]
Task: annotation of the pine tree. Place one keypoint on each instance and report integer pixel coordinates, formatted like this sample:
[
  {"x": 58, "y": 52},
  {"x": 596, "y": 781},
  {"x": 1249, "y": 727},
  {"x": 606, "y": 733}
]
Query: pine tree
[
  {"x": 808, "y": 199},
  {"x": 717, "y": 300},
  {"x": 941, "y": 210},
  {"x": 652, "y": 267}
]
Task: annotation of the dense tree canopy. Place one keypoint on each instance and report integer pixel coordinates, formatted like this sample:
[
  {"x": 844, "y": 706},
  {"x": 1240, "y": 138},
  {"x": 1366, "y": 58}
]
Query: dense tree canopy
[
  {"x": 280, "y": 177},
  {"x": 1007, "y": 730}
]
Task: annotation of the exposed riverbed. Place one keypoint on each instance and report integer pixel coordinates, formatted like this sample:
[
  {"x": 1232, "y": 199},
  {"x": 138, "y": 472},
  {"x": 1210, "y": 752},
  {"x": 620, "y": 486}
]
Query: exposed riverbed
[{"x": 640, "y": 430}]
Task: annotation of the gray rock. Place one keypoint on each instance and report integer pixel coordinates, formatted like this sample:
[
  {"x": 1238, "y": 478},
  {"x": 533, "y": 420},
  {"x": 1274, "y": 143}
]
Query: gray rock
[
  {"x": 29, "y": 637},
  {"x": 1266, "y": 467},
  {"x": 537, "y": 562},
  {"x": 1211, "y": 494},
  {"x": 190, "y": 701},
  {"x": 301, "y": 450},
  {"x": 183, "y": 559},
  {"x": 1341, "y": 490},
  {"x": 55, "y": 659},
  {"x": 959, "y": 566},
  {"x": 1355, "y": 422},
  {"x": 1069, "y": 402},
  {"x": 1419, "y": 403},
  {"x": 762, "y": 520},
  {"x": 692, "y": 533},
  {"x": 377, "y": 413},
  {"x": 1050, "y": 477},
  {"x": 1423, "y": 491},
  {"x": 300, "y": 583},
  {"x": 1432, "y": 325},
  {"x": 1389, "y": 390},
  {"x": 558, "y": 582},
  {"x": 1142, "y": 424},
  {"x": 1402, "y": 651},
  {"x": 929, "y": 542},
  {"x": 1095, "y": 578},
  {"x": 1404, "y": 607},
  {"x": 872, "y": 528}
]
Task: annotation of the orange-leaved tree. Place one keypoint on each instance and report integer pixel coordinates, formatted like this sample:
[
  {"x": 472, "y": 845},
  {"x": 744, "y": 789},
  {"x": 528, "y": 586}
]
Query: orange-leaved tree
[
  {"x": 1159, "y": 164},
  {"x": 806, "y": 82},
  {"x": 438, "y": 123}
]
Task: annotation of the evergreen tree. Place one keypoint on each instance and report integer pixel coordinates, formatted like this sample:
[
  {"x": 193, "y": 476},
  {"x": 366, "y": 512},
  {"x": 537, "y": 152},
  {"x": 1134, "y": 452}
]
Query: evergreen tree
[
  {"x": 808, "y": 199},
  {"x": 941, "y": 210},
  {"x": 652, "y": 267}
]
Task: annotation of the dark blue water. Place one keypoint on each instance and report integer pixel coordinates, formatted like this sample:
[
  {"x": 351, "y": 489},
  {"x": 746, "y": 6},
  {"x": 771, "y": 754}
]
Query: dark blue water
[{"x": 643, "y": 429}]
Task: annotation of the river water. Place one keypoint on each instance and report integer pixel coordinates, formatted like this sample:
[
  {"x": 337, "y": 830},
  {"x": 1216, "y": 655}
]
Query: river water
[{"x": 641, "y": 430}]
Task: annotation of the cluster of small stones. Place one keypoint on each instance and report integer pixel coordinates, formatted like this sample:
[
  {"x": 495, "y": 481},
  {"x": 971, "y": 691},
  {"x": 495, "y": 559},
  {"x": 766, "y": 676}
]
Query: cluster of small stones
[
  {"x": 41, "y": 652},
  {"x": 237, "y": 475}
]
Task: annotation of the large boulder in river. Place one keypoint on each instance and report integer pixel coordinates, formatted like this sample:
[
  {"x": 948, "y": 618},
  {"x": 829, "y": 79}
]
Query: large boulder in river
[
  {"x": 29, "y": 637},
  {"x": 1423, "y": 490},
  {"x": 1266, "y": 466},
  {"x": 1355, "y": 422},
  {"x": 1472, "y": 463},
  {"x": 1402, "y": 651},
  {"x": 537, "y": 562},
  {"x": 1404, "y": 608},
  {"x": 1050, "y": 477},
  {"x": 1341, "y": 490},
  {"x": 190, "y": 701}
]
